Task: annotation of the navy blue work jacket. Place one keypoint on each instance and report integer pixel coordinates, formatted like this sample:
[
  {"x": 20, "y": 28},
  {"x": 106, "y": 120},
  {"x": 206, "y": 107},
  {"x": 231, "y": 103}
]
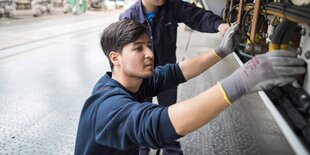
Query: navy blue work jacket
[
  {"x": 116, "y": 121},
  {"x": 163, "y": 29}
]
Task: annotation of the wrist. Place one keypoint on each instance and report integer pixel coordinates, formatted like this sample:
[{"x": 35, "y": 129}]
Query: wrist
[
  {"x": 233, "y": 86},
  {"x": 224, "y": 93},
  {"x": 219, "y": 52},
  {"x": 220, "y": 27},
  {"x": 217, "y": 24},
  {"x": 215, "y": 53}
]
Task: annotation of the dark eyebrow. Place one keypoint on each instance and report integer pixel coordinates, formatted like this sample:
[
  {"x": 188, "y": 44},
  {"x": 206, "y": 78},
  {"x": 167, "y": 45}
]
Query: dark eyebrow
[
  {"x": 141, "y": 42},
  {"x": 136, "y": 43}
]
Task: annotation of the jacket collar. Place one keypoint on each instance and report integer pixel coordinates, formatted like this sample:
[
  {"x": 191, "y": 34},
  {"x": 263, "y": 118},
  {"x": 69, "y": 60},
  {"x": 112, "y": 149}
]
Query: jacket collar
[
  {"x": 142, "y": 18},
  {"x": 158, "y": 12}
]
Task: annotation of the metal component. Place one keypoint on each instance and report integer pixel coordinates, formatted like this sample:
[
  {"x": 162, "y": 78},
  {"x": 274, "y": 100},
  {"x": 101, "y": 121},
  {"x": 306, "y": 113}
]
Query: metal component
[
  {"x": 269, "y": 22},
  {"x": 303, "y": 96},
  {"x": 300, "y": 2},
  {"x": 249, "y": 48},
  {"x": 307, "y": 54},
  {"x": 240, "y": 11},
  {"x": 299, "y": 51},
  {"x": 255, "y": 20},
  {"x": 303, "y": 31},
  {"x": 256, "y": 48},
  {"x": 263, "y": 35}
]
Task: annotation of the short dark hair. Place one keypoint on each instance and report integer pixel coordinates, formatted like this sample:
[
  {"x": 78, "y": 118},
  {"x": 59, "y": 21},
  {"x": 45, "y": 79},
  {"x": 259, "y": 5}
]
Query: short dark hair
[{"x": 118, "y": 34}]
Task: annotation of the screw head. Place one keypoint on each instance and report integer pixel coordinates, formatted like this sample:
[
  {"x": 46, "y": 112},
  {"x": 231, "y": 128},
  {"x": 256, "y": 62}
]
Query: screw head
[
  {"x": 299, "y": 51},
  {"x": 303, "y": 96},
  {"x": 307, "y": 54},
  {"x": 303, "y": 31}
]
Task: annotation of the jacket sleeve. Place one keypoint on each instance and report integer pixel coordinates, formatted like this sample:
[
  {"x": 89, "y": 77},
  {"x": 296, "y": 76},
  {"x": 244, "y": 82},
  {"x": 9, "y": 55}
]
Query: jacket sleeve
[
  {"x": 122, "y": 123},
  {"x": 123, "y": 16},
  {"x": 131, "y": 13},
  {"x": 197, "y": 18},
  {"x": 164, "y": 77}
]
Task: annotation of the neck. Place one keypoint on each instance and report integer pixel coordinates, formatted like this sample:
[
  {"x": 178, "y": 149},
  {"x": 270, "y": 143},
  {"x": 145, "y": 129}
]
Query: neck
[
  {"x": 147, "y": 7},
  {"x": 130, "y": 83}
]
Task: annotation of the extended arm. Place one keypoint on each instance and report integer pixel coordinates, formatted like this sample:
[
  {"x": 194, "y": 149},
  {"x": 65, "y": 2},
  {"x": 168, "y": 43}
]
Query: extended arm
[
  {"x": 205, "y": 106},
  {"x": 197, "y": 18},
  {"x": 195, "y": 66},
  {"x": 261, "y": 72},
  {"x": 193, "y": 113}
]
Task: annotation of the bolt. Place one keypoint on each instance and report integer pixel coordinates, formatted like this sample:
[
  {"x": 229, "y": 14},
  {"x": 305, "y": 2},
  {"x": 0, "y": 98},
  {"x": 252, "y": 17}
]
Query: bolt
[
  {"x": 307, "y": 55},
  {"x": 303, "y": 96},
  {"x": 303, "y": 31},
  {"x": 299, "y": 50}
]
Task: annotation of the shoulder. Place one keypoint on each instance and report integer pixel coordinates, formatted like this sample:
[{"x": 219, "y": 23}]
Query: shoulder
[
  {"x": 175, "y": 2},
  {"x": 131, "y": 12},
  {"x": 107, "y": 99},
  {"x": 107, "y": 90},
  {"x": 111, "y": 92},
  {"x": 176, "y": 6}
]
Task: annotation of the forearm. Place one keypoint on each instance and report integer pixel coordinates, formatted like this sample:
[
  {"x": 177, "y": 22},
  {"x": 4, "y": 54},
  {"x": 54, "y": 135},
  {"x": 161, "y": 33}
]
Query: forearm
[
  {"x": 197, "y": 18},
  {"x": 191, "y": 114},
  {"x": 192, "y": 67}
]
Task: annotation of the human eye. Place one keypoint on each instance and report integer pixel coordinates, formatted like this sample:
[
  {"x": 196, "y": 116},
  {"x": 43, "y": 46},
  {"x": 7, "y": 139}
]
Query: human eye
[{"x": 138, "y": 48}]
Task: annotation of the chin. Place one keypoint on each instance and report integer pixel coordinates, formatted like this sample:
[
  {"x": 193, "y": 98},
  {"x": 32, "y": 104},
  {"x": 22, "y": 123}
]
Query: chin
[
  {"x": 160, "y": 2},
  {"x": 149, "y": 74}
]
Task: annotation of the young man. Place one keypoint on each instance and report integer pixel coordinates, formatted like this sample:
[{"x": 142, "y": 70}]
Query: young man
[
  {"x": 161, "y": 17},
  {"x": 115, "y": 120}
]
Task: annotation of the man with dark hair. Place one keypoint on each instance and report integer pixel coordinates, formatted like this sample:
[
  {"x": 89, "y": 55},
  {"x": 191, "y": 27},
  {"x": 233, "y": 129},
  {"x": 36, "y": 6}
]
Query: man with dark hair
[
  {"x": 115, "y": 120},
  {"x": 161, "y": 17}
]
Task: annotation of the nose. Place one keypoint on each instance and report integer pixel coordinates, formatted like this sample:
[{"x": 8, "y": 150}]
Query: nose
[{"x": 149, "y": 54}]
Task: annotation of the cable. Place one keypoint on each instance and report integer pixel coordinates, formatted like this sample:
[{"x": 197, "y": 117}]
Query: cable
[
  {"x": 243, "y": 27},
  {"x": 298, "y": 14},
  {"x": 288, "y": 35},
  {"x": 230, "y": 13},
  {"x": 224, "y": 9}
]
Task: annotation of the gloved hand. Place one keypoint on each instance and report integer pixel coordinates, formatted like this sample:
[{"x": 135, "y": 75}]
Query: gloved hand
[
  {"x": 275, "y": 68},
  {"x": 230, "y": 41}
]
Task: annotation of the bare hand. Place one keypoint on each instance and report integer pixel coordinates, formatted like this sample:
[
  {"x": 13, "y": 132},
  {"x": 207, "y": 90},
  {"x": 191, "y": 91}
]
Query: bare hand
[{"x": 223, "y": 28}]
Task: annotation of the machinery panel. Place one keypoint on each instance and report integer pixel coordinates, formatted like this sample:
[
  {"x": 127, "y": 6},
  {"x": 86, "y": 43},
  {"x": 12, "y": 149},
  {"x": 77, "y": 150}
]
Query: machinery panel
[{"x": 268, "y": 25}]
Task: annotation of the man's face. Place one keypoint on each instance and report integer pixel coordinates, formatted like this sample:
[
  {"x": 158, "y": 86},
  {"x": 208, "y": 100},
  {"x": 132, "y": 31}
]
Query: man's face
[
  {"x": 154, "y": 3},
  {"x": 137, "y": 59}
]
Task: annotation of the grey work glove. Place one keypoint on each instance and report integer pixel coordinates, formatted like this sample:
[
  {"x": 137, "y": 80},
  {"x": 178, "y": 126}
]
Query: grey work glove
[
  {"x": 275, "y": 68},
  {"x": 230, "y": 41}
]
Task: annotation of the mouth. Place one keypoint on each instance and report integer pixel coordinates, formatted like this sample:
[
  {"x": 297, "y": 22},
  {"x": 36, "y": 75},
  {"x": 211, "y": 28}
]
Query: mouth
[{"x": 149, "y": 65}]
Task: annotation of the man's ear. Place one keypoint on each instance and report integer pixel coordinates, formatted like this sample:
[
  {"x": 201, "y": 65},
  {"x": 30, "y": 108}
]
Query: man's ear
[{"x": 114, "y": 57}]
